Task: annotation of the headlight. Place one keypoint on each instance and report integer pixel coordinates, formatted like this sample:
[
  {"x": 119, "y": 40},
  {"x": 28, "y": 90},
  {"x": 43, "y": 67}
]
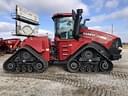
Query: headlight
[{"x": 120, "y": 48}]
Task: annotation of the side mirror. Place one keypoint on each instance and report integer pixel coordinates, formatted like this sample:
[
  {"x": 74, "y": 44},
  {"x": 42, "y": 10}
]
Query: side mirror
[
  {"x": 73, "y": 14},
  {"x": 79, "y": 11}
]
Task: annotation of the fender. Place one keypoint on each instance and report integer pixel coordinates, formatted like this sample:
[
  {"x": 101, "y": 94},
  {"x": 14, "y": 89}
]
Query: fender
[
  {"x": 100, "y": 48},
  {"x": 40, "y": 44}
]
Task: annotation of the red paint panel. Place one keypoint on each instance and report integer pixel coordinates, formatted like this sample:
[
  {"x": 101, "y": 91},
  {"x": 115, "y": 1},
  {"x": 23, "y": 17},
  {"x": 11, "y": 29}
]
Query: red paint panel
[
  {"x": 66, "y": 48},
  {"x": 100, "y": 37},
  {"x": 40, "y": 44}
]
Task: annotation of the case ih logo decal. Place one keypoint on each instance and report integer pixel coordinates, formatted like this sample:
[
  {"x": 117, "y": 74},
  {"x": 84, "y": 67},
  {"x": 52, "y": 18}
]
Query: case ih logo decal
[
  {"x": 89, "y": 34},
  {"x": 97, "y": 35}
]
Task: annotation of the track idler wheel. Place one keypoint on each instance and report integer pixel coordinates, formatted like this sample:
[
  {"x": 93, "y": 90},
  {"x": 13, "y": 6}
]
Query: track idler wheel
[
  {"x": 39, "y": 67},
  {"x": 10, "y": 67},
  {"x": 73, "y": 66},
  {"x": 105, "y": 66}
]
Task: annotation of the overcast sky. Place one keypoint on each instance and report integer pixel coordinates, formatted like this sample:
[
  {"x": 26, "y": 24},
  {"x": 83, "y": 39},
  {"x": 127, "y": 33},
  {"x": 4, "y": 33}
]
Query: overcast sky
[{"x": 103, "y": 13}]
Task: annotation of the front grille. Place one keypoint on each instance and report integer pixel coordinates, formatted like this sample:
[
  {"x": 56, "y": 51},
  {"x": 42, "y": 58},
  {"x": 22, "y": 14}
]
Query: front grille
[
  {"x": 117, "y": 43},
  {"x": 114, "y": 49}
]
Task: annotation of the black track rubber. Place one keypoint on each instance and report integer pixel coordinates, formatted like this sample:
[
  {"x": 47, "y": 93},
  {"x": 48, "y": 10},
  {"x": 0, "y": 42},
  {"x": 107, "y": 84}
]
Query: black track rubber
[
  {"x": 91, "y": 63},
  {"x": 25, "y": 62}
]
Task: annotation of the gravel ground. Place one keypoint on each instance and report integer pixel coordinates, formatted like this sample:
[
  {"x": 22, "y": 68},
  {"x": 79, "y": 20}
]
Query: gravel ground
[{"x": 57, "y": 82}]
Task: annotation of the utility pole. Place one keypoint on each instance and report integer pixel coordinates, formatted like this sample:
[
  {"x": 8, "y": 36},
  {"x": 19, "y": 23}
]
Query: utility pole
[{"x": 112, "y": 28}]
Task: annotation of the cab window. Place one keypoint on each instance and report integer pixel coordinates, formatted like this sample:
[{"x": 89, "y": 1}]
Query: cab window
[{"x": 64, "y": 27}]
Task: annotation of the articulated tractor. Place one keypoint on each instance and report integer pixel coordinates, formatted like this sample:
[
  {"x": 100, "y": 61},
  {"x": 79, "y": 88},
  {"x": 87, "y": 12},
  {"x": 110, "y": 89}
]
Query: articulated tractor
[{"x": 75, "y": 46}]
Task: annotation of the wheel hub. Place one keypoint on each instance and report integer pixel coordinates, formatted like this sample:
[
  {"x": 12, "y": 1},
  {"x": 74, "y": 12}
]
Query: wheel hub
[
  {"x": 74, "y": 65},
  {"x": 105, "y": 65},
  {"x": 39, "y": 66},
  {"x": 10, "y": 66}
]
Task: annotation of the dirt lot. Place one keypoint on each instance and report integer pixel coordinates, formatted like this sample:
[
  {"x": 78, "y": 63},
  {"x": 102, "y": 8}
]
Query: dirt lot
[{"x": 57, "y": 82}]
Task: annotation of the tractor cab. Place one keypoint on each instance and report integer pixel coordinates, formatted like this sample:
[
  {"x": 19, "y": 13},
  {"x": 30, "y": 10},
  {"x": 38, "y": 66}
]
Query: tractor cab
[
  {"x": 67, "y": 25},
  {"x": 67, "y": 32},
  {"x": 63, "y": 25}
]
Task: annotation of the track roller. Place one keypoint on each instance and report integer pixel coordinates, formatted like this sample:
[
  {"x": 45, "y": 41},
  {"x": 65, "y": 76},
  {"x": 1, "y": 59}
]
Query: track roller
[
  {"x": 86, "y": 68},
  {"x": 96, "y": 68},
  {"x": 18, "y": 69},
  {"x": 29, "y": 68},
  {"x": 24, "y": 68}
]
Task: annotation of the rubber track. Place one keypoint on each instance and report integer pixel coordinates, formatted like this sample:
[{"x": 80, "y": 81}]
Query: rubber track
[
  {"x": 92, "y": 47},
  {"x": 34, "y": 53}
]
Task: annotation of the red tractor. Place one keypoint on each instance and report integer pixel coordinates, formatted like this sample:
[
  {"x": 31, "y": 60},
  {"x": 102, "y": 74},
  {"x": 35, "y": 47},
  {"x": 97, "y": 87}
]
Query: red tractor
[{"x": 76, "y": 46}]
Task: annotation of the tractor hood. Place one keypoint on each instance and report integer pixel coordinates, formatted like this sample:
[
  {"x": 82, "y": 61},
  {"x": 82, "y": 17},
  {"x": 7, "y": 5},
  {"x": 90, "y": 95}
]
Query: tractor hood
[{"x": 98, "y": 36}]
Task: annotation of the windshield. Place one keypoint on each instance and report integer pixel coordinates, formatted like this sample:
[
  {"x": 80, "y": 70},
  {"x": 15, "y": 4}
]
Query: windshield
[{"x": 65, "y": 27}]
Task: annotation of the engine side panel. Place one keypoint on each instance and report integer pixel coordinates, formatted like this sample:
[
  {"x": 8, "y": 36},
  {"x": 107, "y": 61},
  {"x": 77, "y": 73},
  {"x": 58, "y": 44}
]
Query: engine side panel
[
  {"x": 66, "y": 48},
  {"x": 39, "y": 44}
]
